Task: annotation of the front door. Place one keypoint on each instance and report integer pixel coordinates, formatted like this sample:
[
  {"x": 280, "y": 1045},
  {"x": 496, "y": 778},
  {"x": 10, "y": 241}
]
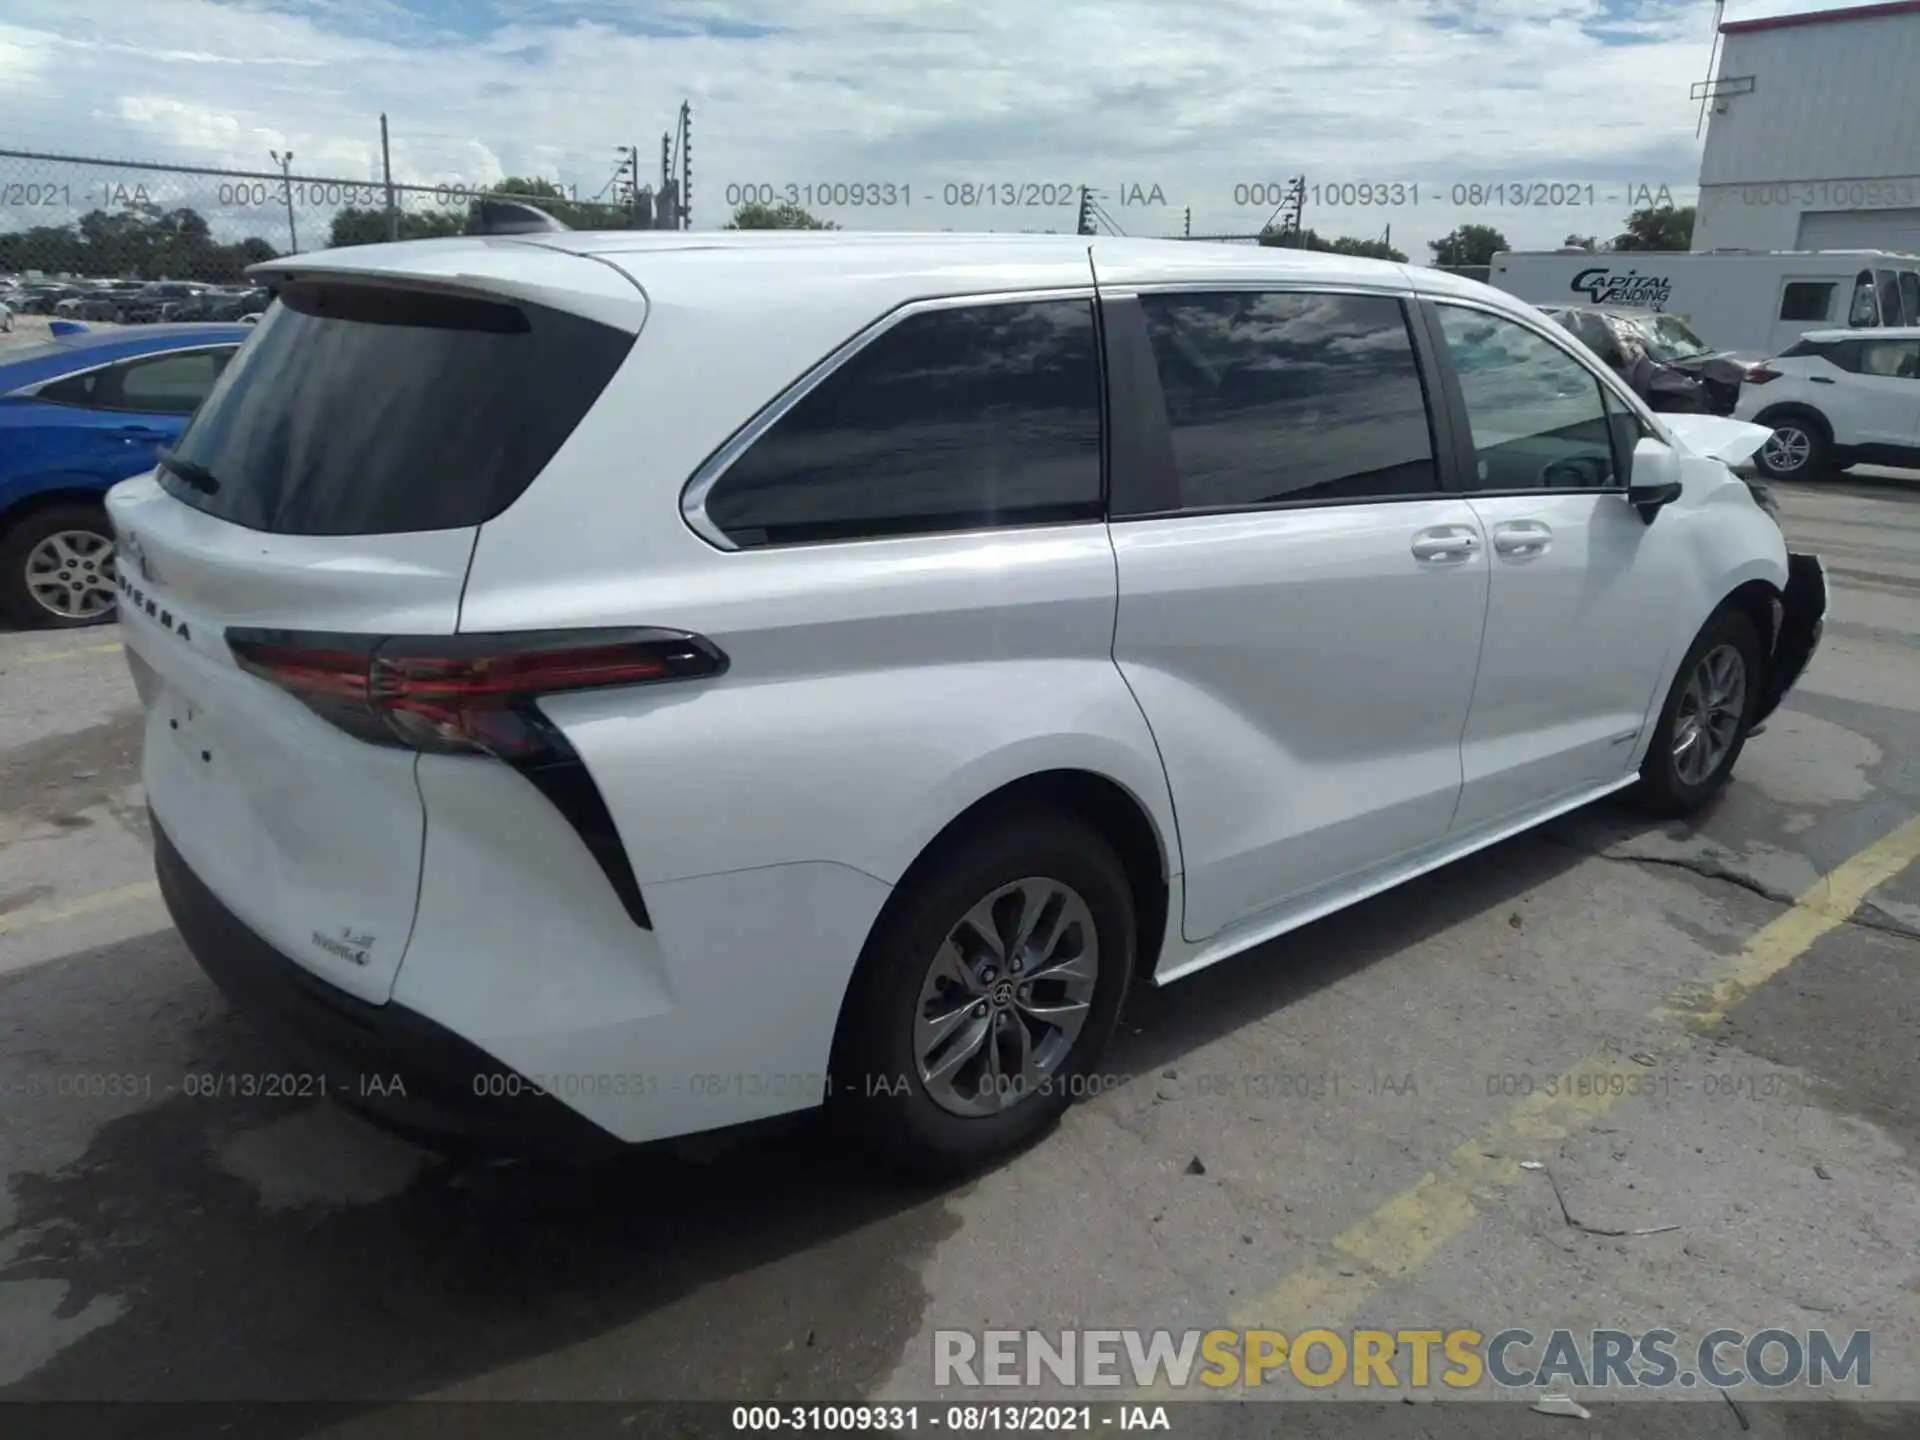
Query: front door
[{"x": 1583, "y": 589}]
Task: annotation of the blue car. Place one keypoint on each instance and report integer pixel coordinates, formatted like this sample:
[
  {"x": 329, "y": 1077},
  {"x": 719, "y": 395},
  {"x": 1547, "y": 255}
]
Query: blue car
[{"x": 78, "y": 413}]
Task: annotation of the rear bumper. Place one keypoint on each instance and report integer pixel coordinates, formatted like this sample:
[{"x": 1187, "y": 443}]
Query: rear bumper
[
  {"x": 387, "y": 1062},
  {"x": 1803, "y": 620}
]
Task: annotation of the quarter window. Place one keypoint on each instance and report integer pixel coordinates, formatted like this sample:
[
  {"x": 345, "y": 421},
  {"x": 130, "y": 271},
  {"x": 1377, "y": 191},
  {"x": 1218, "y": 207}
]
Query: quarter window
[
  {"x": 154, "y": 385},
  {"x": 1807, "y": 300},
  {"x": 1537, "y": 416},
  {"x": 1287, "y": 396},
  {"x": 953, "y": 419}
]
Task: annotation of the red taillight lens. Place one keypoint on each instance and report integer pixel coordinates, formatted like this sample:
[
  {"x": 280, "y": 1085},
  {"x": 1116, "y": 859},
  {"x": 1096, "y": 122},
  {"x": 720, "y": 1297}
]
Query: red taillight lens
[
  {"x": 463, "y": 694},
  {"x": 1759, "y": 374}
]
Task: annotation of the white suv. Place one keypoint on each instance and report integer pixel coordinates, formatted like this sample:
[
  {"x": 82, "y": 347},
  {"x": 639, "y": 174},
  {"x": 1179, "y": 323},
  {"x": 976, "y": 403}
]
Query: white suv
[
  {"x": 606, "y": 687},
  {"x": 1837, "y": 398}
]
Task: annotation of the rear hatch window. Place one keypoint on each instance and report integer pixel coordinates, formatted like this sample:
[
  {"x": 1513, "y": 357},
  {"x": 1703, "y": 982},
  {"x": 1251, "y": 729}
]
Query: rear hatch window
[{"x": 361, "y": 409}]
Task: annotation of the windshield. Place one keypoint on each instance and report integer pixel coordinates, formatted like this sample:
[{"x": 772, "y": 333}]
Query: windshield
[{"x": 1668, "y": 338}]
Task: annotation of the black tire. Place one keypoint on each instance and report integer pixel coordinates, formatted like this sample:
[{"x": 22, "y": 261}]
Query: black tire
[
  {"x": 1663, "y": 788},
  {"x": 1801, "y": 448},
  {"x": 878, "y": 1095},
  {"x": 17, "y": 601}
]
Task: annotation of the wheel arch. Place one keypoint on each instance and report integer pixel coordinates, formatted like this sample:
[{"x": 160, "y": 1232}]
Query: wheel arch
[
  {"x": 1796, "y": 410},
  {"x": 1109, "y": 807},
  {"x": 56, "y": 492}
]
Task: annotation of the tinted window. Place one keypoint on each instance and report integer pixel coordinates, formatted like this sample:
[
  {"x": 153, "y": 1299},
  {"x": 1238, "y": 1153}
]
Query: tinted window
[
  {"x": 1899, "y": 359},
  {"x": 159, "y": 384},
  {"x": 361, "y": 411},
  {"x": 954, "y": 419},
  {"x": 1284, "y": 396},
  {"x": 1536, "y": 414},
  {"x": 1909, "y": 297},
  {"x": 1807, "y": 300}
]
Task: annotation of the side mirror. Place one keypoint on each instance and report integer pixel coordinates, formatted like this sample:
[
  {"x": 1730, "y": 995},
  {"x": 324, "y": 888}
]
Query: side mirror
[{"x": 1654, "y": 480}]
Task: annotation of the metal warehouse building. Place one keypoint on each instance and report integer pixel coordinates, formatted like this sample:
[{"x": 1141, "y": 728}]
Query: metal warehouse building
[{"x": 1813, "y": 135}]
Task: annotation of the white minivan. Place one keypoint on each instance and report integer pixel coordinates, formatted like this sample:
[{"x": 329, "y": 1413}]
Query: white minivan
[{"x": 605, "y": 687}]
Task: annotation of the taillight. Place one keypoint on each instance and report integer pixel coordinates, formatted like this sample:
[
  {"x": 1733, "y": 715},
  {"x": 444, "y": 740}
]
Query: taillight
[
  {"x": 462, "y": 694},
  {"x": 1759, "y": 374},
  {"x": 474, "y": 695}
]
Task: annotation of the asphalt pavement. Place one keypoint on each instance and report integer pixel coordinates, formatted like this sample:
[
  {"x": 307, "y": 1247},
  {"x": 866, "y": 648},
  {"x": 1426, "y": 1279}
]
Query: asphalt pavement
[{"x": 1611, "y": 1075}]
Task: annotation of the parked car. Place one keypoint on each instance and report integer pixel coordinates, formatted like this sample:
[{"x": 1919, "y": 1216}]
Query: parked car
[
  {"x": 1666, "y": 363},
  {"x": 149, "y": 304},
  {"x": 77, "y": 414},
  {"x": 1837, "y": 398},
  {"x": 237, "y": 304},
  {"x": 879, "y": 728}
]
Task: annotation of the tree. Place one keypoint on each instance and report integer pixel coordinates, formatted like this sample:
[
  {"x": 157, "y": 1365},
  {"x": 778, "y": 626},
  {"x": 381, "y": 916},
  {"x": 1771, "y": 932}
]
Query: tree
[
  {"x": 1662, "y": 228},
  {"x": 1468, "y": 245},
  {"x": 356, "y": 226},
  {"x": 784, "y": 216},
  {"x": 574, "y": 214},
  {"x": 1337, "y": 245},
  {"x": 138, "y": 240}
]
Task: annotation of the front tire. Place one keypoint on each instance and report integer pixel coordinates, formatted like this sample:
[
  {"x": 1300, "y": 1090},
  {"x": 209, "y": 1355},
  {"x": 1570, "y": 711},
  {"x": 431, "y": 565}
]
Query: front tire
[
  {"x": 56, "y": 568},
  {"x": 1798, "y": 449},
  {"x": 986, "y": 993},
  {"x": 1703, "y": 726}
]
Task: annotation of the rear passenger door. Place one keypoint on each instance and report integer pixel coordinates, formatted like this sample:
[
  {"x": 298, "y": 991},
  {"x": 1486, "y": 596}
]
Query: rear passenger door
[{"x": 1300, "y": 603}]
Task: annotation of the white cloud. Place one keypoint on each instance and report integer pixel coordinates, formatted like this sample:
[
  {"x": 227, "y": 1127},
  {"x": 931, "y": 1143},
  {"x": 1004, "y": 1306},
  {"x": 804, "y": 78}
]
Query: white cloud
[{"x": 1195, "y": 97}]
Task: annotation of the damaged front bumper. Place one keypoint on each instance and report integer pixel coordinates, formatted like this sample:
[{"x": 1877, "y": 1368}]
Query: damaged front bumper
[{"x": 1803, "y": 619}]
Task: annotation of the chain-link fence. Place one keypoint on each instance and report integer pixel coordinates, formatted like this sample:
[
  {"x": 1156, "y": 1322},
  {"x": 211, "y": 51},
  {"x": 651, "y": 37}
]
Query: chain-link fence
[{"x": 128, "y": 241}]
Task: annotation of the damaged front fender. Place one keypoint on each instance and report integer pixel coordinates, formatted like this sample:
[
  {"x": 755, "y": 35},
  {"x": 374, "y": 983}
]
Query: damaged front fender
[{"x": 1803, "y": 619}]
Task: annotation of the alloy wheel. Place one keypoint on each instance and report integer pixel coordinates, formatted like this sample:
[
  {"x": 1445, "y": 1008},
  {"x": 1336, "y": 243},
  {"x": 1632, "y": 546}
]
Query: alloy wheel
[
  {"x": 1005, "y": 997},
  {"x": 1787, "y": 449},
  {"x": 1711, "y": 709},
  {"x": 70, "y": 574}
]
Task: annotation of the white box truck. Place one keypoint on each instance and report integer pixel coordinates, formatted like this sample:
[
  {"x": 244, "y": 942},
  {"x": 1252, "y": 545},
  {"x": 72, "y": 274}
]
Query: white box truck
[{"x": 1751, "y": 302}]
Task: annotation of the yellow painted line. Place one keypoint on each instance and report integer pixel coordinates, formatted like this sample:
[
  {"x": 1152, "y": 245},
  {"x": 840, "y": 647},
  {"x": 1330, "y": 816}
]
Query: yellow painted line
[
  {"x": 1405, "y": 1232},
  {"x": 32, "y": 917},
  {"x": 111, "y": 648}
]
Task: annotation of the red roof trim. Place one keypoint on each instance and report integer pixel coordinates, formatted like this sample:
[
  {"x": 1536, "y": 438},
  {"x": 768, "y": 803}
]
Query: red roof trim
[{"x": 1822, "y": 17}]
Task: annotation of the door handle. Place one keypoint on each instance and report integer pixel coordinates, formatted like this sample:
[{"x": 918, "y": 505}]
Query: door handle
[
  {"x": 1821, "y": 380},
  {"x": 1521, "y": 537},
  {"x": 135, "y": 432},
  {"x": 1444, "y": 546}
]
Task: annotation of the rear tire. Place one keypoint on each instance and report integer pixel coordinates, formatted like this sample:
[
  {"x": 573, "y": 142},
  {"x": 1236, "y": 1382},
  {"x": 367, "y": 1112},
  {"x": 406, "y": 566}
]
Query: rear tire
[
  {"x": 907, "y": 1086},
  {"x": 1800, "y": 448},
  {"x": 1703, "y": 726},
  {"x": 37, "y": 589}
]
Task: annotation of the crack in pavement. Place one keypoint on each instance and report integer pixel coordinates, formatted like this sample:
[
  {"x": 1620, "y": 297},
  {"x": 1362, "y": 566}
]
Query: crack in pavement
[{"x": 1867, "y": 917}]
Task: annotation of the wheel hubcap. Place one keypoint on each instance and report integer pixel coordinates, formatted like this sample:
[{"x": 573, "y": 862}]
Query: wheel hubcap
[
  {"x": 1006, "y": 996},
  {"x": 1788, "y": 448},
  {"x": 1711, "y": 709},
  {"x": 70, "y": 574}
]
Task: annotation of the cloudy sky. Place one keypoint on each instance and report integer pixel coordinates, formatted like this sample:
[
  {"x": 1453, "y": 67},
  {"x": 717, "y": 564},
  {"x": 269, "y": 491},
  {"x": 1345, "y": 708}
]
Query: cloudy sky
[{"x": 1209, "y": 103}]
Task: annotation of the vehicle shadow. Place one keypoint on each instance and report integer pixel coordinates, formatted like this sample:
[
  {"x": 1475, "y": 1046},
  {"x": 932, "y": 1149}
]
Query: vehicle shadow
[{"x": 782, "y": 1269}]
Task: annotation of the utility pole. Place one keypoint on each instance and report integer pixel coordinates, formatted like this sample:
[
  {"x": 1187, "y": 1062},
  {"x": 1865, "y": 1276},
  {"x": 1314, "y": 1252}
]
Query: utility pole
[
  {"x": 285, "y": 162},
  {"x": 386, "y": 168},
  {"x": 1186, "y": 226},
  {"x": 686, "y": 165},
  {"x": 1083, "y": 225}
]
